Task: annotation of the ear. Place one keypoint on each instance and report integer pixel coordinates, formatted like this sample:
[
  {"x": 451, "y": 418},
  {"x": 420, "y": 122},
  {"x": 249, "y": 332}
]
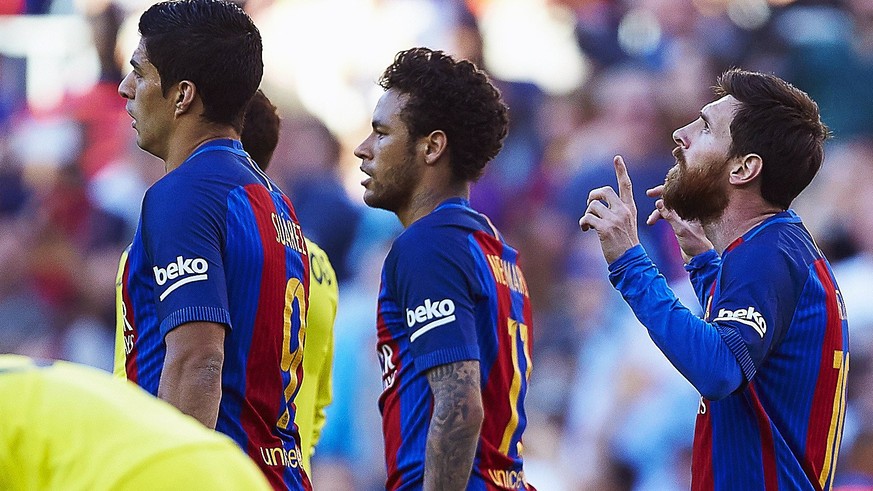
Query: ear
[
  {"x": 746, "y": 169},
  {"x": 186, "y": 92},
  {"x": 435, "y": 146}
]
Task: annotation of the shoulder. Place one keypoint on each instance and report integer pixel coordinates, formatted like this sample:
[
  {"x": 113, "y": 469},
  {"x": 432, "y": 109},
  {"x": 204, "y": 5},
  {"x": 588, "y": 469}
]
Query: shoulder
[
  {"x": 183, "y": 189},
  {"x": 432, "y": 236},
  {"x": 778, "y": 249}
]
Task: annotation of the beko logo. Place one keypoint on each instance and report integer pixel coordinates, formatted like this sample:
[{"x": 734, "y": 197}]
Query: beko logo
[
  {"x": 442, "y": 310},
  {"x": 748, "y": 316},
  {"x": 188, "y": 270}
]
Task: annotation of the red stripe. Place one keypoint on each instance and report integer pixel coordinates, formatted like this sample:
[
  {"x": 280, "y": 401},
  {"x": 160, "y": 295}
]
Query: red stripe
[
  {"x": 131, "y": 365},
  {"x": 734, "y": 244},
  {"x": 702, "y": 472},
  {"x": 821, "y": 413},
  {"x": 495, "y": 394},
  {"x": 264, "y": 384},
  {"x": 389, "y": 404},
  {"x": 768, "y": 448},
  {"x": 701, "y": 461},
  {"x": 306, "y": 279}
]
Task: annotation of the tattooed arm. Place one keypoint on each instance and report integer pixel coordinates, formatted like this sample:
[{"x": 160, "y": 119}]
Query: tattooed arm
[{"x": 454, "y": 425}]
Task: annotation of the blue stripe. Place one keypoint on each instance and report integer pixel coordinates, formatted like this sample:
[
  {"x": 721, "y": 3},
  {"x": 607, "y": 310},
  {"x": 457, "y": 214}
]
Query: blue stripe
[
  {"x": 243, "y": 261},
  {"x": 488, "y": 338},
  {"x": 150, "y": 347},
  {"x": 192, "y": 314}
]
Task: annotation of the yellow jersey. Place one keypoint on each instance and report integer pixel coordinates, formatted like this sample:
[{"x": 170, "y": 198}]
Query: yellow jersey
[
  {"x": 72, "y": 427},
  {"x": 315, "y": 391}
]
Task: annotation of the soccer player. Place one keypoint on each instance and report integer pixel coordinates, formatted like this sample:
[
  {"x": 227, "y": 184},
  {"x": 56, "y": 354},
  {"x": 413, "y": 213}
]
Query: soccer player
[
  {"x": 215, "y": 285},
  {"x": 770, "y": 355},
  {"x": 71, "y": 427},
  {"x": 260, "y": 135},
  {"x": 454, "y": 318}
]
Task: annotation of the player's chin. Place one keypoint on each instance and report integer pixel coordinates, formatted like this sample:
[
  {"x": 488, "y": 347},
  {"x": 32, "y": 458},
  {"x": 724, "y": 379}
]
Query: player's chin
[{"x": 371, "y": 198}]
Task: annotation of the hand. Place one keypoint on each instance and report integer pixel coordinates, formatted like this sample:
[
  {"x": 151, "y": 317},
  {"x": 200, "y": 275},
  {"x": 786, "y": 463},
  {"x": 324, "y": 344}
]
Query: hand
[
  {"x": 613, "y": 216},
  {"x": 690, "y": 234}
]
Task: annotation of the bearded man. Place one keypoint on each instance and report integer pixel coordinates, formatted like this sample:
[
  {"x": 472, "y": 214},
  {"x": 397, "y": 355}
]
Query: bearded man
[{"x": 771, "y": 354}]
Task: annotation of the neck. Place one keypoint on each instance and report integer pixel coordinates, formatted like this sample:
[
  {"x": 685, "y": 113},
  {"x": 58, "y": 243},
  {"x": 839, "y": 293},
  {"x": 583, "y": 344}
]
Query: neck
[
  {"x": 187, "y": 141},
  {"x": 739, "y": 217},
  {"x": 426, "y": 200}
]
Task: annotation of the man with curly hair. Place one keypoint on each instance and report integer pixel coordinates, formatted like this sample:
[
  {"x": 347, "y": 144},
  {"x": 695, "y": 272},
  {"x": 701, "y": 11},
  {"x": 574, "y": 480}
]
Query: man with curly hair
[{"x": 454, "y": 316}]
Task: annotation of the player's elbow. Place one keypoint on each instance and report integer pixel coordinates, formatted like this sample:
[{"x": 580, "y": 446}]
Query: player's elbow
[{"x": 715, "y": 388}]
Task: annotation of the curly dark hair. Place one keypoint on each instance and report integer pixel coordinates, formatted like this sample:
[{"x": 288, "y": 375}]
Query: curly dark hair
[
  {"x": 212, "y": 43},
  {"x": 452, "y": 96},
  {"x": 779, "y": 122},
  {"x": 260, "y": 132}
]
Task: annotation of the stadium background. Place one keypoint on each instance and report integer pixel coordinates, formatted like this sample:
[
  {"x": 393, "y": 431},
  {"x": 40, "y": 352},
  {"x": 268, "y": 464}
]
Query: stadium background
[{"x": 584, "y": 79}]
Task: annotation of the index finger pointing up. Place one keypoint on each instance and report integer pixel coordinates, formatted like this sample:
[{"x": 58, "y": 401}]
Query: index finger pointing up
[{"x": 625, "y": 188}]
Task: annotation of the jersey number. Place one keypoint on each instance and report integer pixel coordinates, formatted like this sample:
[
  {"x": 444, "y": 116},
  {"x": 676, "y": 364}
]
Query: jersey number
[
  {"x": 518, "y": 334},
  {"x": 295, "y": 307},
  {"x": 841, "y": 363}
]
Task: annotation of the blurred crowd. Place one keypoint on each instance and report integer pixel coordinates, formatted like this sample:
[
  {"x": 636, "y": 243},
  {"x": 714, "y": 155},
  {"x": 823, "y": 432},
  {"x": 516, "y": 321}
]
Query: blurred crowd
[{"x": 606, "y": 410}]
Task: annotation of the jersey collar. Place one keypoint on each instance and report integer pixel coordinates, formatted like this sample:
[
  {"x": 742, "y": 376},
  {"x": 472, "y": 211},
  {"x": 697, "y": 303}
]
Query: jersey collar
[{"x": 787, "y": 216}]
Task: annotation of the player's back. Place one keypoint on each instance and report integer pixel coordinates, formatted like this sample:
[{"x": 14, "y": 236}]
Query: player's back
[
  {"x": 71, "y": 427},
  {"x": 450, "y": 268},
  {"x": 316, "y": 390},
  {"x": 219, "y": 242}
]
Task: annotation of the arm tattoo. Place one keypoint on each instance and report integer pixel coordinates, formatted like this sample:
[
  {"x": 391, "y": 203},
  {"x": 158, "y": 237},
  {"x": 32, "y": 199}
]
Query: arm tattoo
[{"x": 454, "y": 426}]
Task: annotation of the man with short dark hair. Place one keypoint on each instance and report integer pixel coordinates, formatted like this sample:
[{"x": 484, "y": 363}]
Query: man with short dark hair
[
  {"x": 214, "y": 288},
  {"x": 770, "y": 356},
  {"x": 454, "y": 319}
]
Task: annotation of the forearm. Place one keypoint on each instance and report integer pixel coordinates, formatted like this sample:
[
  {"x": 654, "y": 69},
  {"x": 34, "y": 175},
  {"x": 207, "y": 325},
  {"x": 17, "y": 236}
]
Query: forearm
[
  {"x": 191, "y": 376},
  {"x": 692, "y": 345},
  {"x": 193, "y": 387},
  {"x": 454, "y": 426}
]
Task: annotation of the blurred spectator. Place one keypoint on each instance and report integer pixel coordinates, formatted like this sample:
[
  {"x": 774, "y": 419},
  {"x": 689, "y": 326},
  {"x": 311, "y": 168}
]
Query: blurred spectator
[
  {"x": 857, "y": 474},
  {"x": 71, "y": 182},
  {"x": 307, "y": 161}
]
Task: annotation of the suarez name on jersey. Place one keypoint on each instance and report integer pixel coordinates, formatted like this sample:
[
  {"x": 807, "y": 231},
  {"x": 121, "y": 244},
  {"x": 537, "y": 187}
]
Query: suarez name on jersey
[{"x": 219, "y": 242}]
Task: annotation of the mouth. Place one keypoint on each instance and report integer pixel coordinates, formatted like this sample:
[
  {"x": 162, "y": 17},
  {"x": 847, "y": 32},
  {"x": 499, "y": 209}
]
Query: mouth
[{"x": 366, "y": 180}]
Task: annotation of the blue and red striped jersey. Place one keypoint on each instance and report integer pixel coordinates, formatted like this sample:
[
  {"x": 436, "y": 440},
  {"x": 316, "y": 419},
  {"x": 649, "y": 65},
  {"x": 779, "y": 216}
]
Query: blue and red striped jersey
[
  {"x": 778, "y": 308},
  {"x": 770, "y": 356},
  {"x": 453, "y": 290},
  {"x": 218, "y": 242}
]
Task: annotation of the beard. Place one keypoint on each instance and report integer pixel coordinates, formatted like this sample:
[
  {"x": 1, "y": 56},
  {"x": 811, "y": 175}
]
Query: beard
[
  {"x": 393, "y": 190},
  {"x": 696, "y": 194}
]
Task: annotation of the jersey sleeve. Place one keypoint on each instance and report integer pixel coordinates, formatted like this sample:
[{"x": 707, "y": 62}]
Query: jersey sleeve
[
  {"x": 183, "y": 230},
  {"x": 702, "y": 272},
  {"x": 695, "y": 347},
  {"x": 434, "y": 285},
  {"x": 751, "y": 311}
]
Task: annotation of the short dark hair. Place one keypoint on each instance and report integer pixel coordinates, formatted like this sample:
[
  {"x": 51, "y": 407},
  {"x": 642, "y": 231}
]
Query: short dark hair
[
  {"x": 779, "y": 122},
  {"x": 260, "y": 132},
  {"x": 212, "y": 43},
  {"x": 452, "y": 96}
]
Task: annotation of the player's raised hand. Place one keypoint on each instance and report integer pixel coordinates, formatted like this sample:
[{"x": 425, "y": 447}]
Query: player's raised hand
[
  {"x": 613, "y": 216},
  {"x": 690, "y": 235}
]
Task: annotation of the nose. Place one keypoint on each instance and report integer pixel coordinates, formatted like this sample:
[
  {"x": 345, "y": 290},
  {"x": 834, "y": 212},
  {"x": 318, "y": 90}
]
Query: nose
[
  {"x": 124, "y": 88},
  {"x": 362, "y": 151},
  {"x": 679, "y": 136}
]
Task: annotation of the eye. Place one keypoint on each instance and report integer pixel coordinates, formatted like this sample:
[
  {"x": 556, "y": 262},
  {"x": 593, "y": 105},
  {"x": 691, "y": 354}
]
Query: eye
[{"x": 706, "y": 128}]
